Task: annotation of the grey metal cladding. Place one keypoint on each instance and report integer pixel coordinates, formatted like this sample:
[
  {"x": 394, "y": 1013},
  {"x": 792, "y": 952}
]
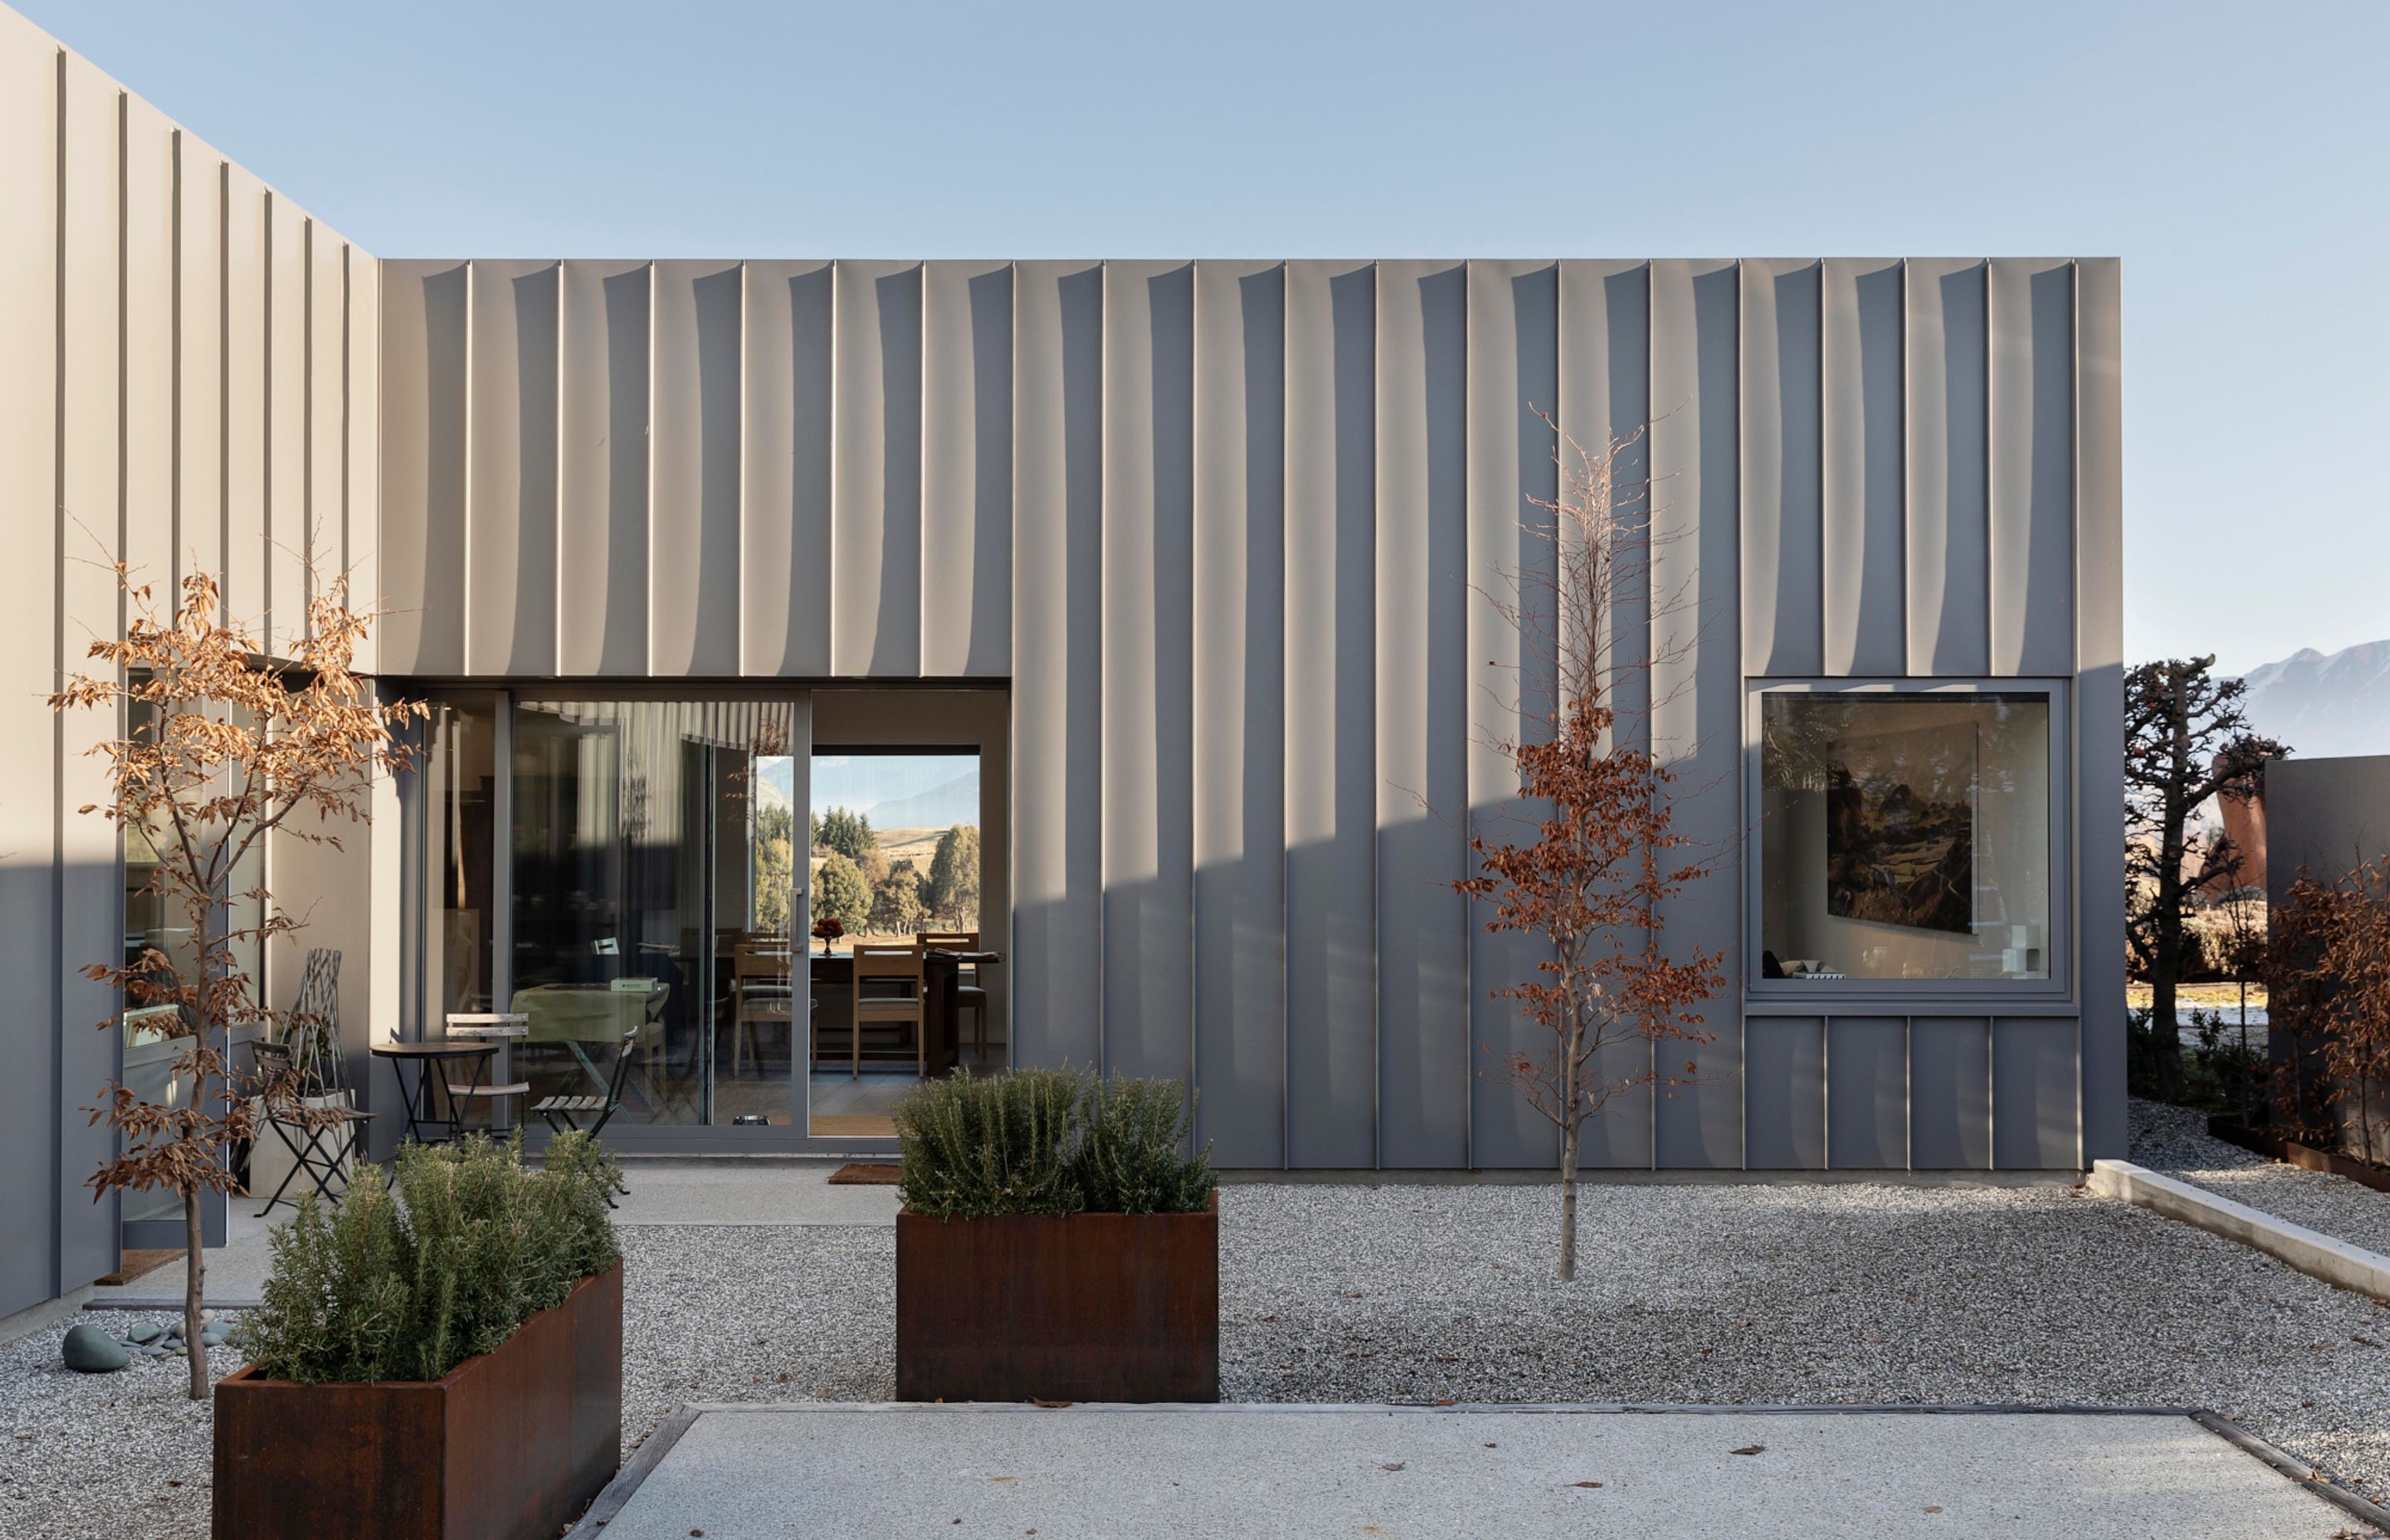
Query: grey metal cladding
[
  {"x": 1867, "y": 1091},
  {"x": 1147, "y": 638},
  {"x": 1224, "y": 529},
  {"x": 1784, "y": 1094},
  {"x": 1328, "y": 768},
  {"x": 1426, "y": 1060},
  {"x": 1784, "y": 610},
  {"x": 1513, "y": 375},
  {"x": 183, "y": 357},
  {"x": 1056, "y": 662},
  {"x": 1243, "y": 674},
  {"x": 602, "y": 384},
  {"x": 1696, "y": 662}
]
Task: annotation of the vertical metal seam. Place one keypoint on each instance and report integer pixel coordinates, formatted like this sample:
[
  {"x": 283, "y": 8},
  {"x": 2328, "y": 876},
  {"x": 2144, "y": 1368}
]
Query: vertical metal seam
[
  {"x": 1825, "y": 1091},
  {"x": 1991, "y": 464},
  {"x": 739, "y": 664},
  {"x": 556, "y": 552},
  {"x": 465, "y": 482},
  {"x": 348, "y": 314},
  {"x": 1285, "y": 797},
  {"x": 1378, "y": 1005},
  {"x": 1468, "y": 814},
  {"x": 56, "y": 1045},
  {"x": 224, "y": 379},
  {"x": 308, "y": 512},
  {"x": 2075, "y": 692},
  {"x": 1900, "y": 486},
  {"x": 174, "y": 366},
  {"x": 266, "y": 419},
  {"x": 647, "y": 583},
  {"x": 1742, "y": 874}
]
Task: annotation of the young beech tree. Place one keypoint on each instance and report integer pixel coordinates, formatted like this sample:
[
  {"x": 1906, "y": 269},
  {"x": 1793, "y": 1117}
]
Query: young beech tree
[
  {"x": 223, "y": 748},
  {"x": 1593, "y": 864},
  {"x": 2330, "y": 986},
  {"x": 2185, "y": 740}
]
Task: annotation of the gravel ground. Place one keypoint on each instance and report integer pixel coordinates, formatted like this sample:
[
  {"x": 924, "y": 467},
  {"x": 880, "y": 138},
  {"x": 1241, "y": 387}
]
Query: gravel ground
[
  {"x": 2175, "y": 1140},
  {"x": 1424, "y": 1293}
]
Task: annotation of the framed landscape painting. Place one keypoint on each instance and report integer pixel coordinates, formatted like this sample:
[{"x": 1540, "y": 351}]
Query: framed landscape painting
[{"x": 1900, "y": 828}]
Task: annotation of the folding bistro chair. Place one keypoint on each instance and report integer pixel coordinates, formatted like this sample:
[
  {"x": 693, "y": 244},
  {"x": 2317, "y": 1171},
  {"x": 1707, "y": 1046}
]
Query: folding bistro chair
[
  {"x": 564, "y": 1114},
  {"x": 305, "y": 1138}
]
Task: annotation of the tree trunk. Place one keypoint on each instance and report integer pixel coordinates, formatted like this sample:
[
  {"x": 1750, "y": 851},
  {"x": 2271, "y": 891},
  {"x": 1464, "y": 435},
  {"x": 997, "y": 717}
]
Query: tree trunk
[
  {"x": 1572, "y": 1119},
  {"x": 195, "y": 1269},
  {"x": 2165, "y": 967},
  {"x": 1568, "y": 1200}
]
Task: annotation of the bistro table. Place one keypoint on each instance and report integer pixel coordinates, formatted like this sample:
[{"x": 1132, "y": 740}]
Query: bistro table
[{"x": 431, "y": 1078}]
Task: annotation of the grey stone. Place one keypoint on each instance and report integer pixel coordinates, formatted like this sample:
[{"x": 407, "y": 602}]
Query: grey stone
[
  {"x": 143, "y": 1331},
  {"x": 88, "y": 1349}
]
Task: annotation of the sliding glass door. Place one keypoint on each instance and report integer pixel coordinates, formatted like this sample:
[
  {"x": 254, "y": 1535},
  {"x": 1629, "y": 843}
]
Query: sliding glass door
[{"x": 657, "y": 905}]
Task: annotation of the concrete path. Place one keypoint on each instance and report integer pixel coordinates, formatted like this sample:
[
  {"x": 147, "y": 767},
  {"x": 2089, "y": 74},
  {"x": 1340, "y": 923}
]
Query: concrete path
[
  {"x": 744, "y": 1190},
  {"x": 816, "y": 1472}
]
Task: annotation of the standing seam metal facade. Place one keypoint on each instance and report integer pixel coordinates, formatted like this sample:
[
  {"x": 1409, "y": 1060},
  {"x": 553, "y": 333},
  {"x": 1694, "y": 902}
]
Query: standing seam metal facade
[
  {"x": 1225, "y": 530},
  {"x": 1216, "y": 526},
  {"x": 188, "y": 363}
]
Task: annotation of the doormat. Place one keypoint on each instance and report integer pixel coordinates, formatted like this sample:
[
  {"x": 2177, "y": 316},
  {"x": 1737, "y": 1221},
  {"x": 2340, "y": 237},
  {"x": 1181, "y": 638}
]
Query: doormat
[
  {"x": 139, "y": 1263},
  {"x": 862, "y": 1175}
]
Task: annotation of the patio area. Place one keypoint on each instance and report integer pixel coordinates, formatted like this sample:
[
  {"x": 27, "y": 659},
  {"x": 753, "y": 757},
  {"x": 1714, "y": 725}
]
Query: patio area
[{"x": 758, "y": 1281}]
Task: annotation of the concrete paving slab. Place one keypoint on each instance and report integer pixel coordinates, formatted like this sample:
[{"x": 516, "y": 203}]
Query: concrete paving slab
[
  {"x": 745, "y": 1191},
  {"x": 1078, "y": 1473}
]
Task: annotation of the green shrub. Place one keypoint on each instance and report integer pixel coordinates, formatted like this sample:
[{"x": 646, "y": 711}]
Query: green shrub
[
  {"x": 1049, "y": 1141},
  {"x": 407, "y": 1287}
]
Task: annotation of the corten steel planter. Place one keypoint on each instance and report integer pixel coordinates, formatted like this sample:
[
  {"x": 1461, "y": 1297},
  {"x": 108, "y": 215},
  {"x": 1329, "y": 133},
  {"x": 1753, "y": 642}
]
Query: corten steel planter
[
  {"x": 508, "y": 1446},
  {"x": 1069, "y": 1307}
]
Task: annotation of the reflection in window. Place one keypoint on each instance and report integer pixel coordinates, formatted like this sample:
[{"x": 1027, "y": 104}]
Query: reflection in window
[
  {"x": 1905, "y": 836},
  {"x": 894, "y": 844}
]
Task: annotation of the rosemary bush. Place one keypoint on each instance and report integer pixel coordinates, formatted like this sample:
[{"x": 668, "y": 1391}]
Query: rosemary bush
[
  {"x": 1049, "y": 1141},
  {"x": 407, "y": 1287}
]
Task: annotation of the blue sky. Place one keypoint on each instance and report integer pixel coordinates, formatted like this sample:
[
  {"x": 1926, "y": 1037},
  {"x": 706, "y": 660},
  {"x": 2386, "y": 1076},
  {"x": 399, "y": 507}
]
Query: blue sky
[{"x": 2234, "y": 157}]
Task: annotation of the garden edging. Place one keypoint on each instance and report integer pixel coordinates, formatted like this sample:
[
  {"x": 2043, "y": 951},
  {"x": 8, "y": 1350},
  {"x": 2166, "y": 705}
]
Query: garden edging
[{"x": 2311, "y": 1251}]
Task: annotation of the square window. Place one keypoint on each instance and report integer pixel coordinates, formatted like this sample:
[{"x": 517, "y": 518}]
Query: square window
[{"x": 1905, "y": 835}]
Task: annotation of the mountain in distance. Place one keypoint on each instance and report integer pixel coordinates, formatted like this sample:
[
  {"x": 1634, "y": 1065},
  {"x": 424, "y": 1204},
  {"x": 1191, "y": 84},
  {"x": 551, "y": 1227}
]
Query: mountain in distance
[
  {"x": 939, "y": 806},
  {"x": 2324, "y": 704}
]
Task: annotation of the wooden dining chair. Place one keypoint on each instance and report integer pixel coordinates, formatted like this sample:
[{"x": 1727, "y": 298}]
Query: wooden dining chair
[
  {"x": 762, "y": 992},
  {"x": 969, "y": 993},
  {"x": 897, "y": 969}
]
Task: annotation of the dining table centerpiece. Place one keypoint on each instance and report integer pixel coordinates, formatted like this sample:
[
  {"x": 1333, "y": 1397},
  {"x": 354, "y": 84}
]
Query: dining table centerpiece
[
  {"x": 827, "y": 930},
  {"x": 1057, "y": 1242}
]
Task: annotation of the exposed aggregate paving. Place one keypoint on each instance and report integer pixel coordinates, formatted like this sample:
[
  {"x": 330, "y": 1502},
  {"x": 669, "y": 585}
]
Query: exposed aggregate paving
[{"x": 1684, "y": 1295}]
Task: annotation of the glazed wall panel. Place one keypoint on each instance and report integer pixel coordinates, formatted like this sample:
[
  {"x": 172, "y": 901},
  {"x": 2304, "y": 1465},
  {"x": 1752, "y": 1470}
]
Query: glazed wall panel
[{"x": 1247, "y": 676}]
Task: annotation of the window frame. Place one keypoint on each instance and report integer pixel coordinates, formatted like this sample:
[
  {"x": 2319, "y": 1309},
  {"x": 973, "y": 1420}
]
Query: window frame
[{"x": 1879, "y": 995}]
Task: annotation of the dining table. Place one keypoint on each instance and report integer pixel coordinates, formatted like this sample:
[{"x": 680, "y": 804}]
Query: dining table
[{"x": 941, "y": 974}]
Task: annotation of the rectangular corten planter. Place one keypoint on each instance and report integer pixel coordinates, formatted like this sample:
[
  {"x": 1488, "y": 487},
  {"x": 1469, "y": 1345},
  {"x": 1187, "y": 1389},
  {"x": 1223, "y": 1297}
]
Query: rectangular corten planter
[
  {"x": 509, "y": 1446},
  {"x": 1070, "y": 1307}
]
